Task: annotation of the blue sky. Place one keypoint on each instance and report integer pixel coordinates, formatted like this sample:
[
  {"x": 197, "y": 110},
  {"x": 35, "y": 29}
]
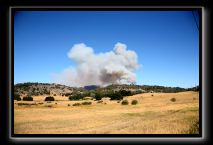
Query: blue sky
[{"x": 166, "y": 42}]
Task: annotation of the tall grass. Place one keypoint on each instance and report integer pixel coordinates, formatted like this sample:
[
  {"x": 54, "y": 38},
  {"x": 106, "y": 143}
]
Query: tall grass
[{"x": 194, "y": 129}]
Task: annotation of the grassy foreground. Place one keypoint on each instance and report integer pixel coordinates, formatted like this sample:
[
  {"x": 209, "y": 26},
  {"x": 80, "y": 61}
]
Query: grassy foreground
[{"x": 155, "y": 113}]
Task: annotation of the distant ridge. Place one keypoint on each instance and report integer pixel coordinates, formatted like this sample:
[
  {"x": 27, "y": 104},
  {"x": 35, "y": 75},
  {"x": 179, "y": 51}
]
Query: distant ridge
[
  {"x": 91, "y": 87},
  {"x": 62, "y": 90}
]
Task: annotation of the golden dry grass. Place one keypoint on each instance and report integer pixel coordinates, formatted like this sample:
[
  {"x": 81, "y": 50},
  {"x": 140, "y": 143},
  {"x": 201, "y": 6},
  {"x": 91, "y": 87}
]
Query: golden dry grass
[{"x": 153, "y": 115}]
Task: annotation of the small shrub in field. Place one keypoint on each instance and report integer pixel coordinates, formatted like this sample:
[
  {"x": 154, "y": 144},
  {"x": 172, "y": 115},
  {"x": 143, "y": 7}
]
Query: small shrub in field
[
  {"x": 173, "y": 99},
  {"x": 76, "y": 104},
  {"x": 54, "y": 94},
  {"x": 86, "y": 103},
  {"x": 68, "y": 104},
  {"x": 17, "y": 97},
  {"x": 24, "y": 104},
  {"x": 49, "y": 98},
  {"x": 55, "y": 103},
  {"x": 49, "y": 106},
  {"x": 101, "y": 101},
  {"x": 118, "y": 101},
  {"x": 125, "y": 102},
  {"x": 152, "y": 95},
  {"x": 134, "y": 102},
  {"x": 28, "y": 98}
]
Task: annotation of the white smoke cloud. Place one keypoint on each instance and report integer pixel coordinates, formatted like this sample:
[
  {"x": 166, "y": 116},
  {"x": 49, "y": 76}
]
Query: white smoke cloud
[{"x": 102, "y": 69}]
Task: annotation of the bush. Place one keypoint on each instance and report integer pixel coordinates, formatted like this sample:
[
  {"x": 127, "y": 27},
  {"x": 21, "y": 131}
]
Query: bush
[
  {"x": 98, "y": 96},
  {"x": 86, "y": 103},
  {"x": 173, "y": 99},
  {"x": 54, "y": 94},
  {"x": 17, "y": 97},
  {"x": 125, "y": 93},
  {"x": 115, "y": 96},
  {"x": 49, "y": 98},
  {"x": 20, "y": 104},
  {"x": 28, "y": 98},
  {"x": 68, "y": 104},
  {"x": 76, "y": 97},
  {"x": 134, "y": 102},
  {"x": 125, "y": 102},
  {"x": 100, "y": 101},
  {"x": 76, "y": 104}
]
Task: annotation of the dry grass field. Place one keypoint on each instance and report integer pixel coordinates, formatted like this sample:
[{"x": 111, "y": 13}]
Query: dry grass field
[{"x": 154, "y": 114}]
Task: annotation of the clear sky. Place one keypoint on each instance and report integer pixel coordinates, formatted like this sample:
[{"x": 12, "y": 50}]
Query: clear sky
[{"x": 166, "y": 43}]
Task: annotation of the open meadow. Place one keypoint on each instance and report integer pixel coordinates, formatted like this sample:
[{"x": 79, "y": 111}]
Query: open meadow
[{"x": 155, "y": 113}]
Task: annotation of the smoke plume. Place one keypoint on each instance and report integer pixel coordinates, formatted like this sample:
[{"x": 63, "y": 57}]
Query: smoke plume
[{"x": 113, "y": 67}]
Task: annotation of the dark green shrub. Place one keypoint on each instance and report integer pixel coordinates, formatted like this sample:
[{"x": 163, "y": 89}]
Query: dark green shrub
[
  {"x": 115, "y": 96},
  {"x": 50, "y": 98},
  {"x": 125, "y": 102},
  {"x": 98, "y": 96},
  {"x": 17, "y": 97},
  {"x": 125, "y": 93},
  {"x": 173, "y": 99},
  {"x": 86, "y": 103},
  {"x": 134, "y": 102},
  {"x": 28, "y": 98},
  {"x": 20, "y": 104},
  {"x": 76, "y": 104},
  {"x": 76, "y": 97}
]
